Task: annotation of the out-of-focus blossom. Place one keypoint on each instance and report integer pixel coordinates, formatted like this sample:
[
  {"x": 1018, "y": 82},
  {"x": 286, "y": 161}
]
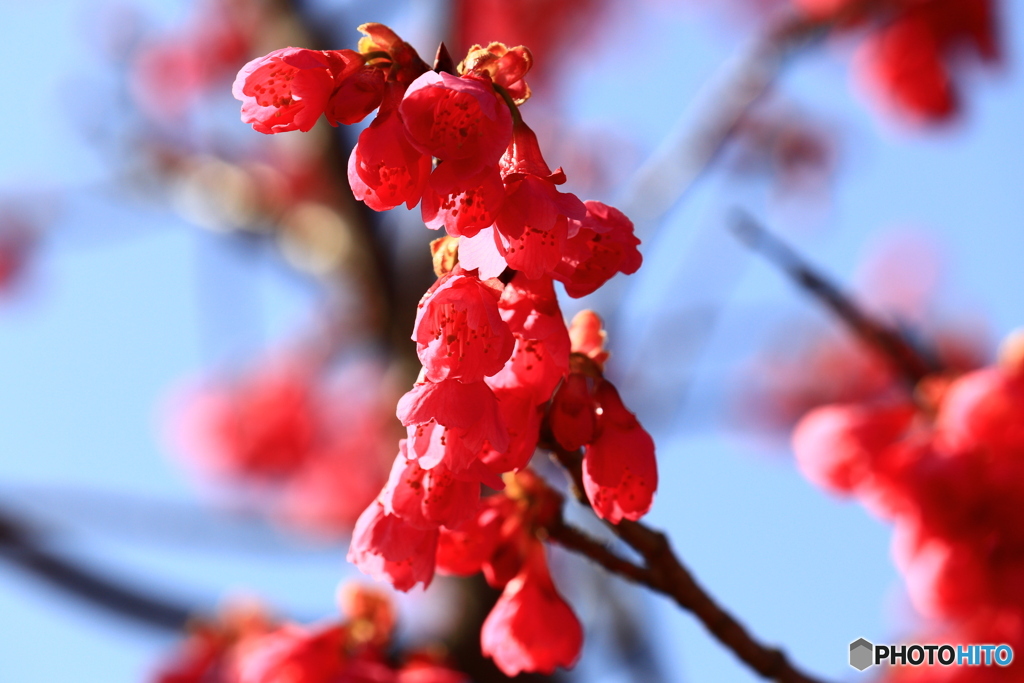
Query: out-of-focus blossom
[
  {"x": 294, "y": 435},
  {"x": 912, "y": 58}
]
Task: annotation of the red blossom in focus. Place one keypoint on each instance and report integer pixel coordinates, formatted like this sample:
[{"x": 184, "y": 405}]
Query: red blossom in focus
[
  {"x": 459, "y": 332},
  {"x": 541, "y": 355},
  {"x": 468, "y": 414},
  {"x": 428, "y": 498},
  {"x": 620, "y": 474},
  {"x": 387, "y": 548},
  {"x": 505, "y": 67},
  {"x": 458, "y": 120},
  {"x": 533, "y": 225},
  {"x": 289, "y": 88},
  {"x": 384, "y": 169},
  {"x": 493, "y": 353},
  {"x": 604, "y": 244},
  {"x": 531, "y": 628},
  {"x": 462, "y": 204}
]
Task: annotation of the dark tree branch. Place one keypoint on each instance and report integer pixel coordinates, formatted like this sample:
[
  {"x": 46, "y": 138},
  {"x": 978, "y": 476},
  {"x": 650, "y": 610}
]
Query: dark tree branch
[
  {"x": 908, "y": 361},
  {"x": 19, "y": 547},
  {"x": 580, "y": 542},
  {"x": 666, "y": 574}
]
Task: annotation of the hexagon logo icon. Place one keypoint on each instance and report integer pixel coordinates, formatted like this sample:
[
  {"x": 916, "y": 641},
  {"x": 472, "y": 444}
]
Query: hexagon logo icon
[{"x": 861, "y": 654}]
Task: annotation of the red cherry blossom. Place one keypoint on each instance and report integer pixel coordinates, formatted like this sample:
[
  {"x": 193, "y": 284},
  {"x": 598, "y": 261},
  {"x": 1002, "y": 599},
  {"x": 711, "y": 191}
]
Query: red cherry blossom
[
  {"x": 902, "y": 63},
  {"x": 523, "y": 415},
  {"x": 604, "y": 244},
  {"x": 291, "y": 652},
  {"x": 533, "y": 224},
  {"x": 531, "y": 628},
  {"x": 541, "y": 355},
  {"x": 473, "y": 546},
  {"x": 384, "y": 169},
  {"x": 405, "y": 63},
  {"x": 984, "y": 409},
  {"x": 573, "y": 417},
  {"x": 463, "y": 205},
  {"x": 289, "y": 88},
  {"x": 459, "y": 332},
  {"x": 837, "y": 446},
  {"x": 388, "y": 548},
  {"x": 479, "y": 252},
  {"x": 356, "y": 96},
  {"x": 468, "y": 412},
  {"x": 263, "y": 427},
  {"x": 428, "y": 498},
  {"x": 620, "y": 474},
  {"x": 457, "y": 120}
]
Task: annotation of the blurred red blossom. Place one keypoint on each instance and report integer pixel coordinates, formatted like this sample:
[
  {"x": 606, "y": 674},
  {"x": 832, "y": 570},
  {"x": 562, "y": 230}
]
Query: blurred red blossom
[{"x": 286, "y": 431}]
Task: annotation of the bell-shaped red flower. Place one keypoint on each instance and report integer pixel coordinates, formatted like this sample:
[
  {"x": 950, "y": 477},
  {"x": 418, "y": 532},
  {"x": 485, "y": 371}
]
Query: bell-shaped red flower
[
  {"x": 541, "y": 355},
  {"x": 289, "y": 88},
  {"x": 604, "y": 244},
  {"x": 468, "y": 412},
  {"x": 457, "y": 119},
  {"x": 533, "y": 224},
  {"x": 573, "y": 413},
  {"x": 459, "y": 332},
  {"x": 620, "y": 473},
  {"x": 385, "y": 170},
  {"x": 428, "y": 498},
  {"x": 462, "y": 204},
  {"x": 531, "y": 628},
  {"x": 388, "y": 548}
]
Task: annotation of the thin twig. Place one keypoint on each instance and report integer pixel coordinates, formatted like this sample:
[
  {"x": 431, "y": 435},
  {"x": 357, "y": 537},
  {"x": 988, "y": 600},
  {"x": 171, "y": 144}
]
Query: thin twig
[
  {"x": 908, "y": 361},
  {"x": 577, "y": 540},
  {"x": 666, "y": 574}
]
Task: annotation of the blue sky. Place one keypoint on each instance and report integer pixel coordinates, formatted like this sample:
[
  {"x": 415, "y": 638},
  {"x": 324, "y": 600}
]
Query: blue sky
[{"x": 113, "y": 317}]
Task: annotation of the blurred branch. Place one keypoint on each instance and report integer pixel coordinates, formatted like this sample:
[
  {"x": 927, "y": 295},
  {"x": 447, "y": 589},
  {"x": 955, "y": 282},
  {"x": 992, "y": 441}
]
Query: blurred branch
[
  {"x": 393, "y": 289},
  {"x": 665, "y": 573},
  {"x": 19, "y": 547},
  {"x": 911, "y": 364},
  {"x": 710, "y": 121}
]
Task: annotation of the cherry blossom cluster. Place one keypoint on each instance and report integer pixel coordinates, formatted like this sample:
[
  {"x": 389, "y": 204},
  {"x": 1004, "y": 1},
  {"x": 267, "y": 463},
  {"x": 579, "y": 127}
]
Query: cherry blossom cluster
[
  {"x": 911, "y": 59},
  {"x": 948, "y": 470},
  {"x": 245, "y": 645},
  {"x": 500, "y": 368}
]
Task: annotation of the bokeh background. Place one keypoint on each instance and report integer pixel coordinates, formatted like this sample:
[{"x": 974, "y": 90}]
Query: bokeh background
[{"x": 123, "y": 300}]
